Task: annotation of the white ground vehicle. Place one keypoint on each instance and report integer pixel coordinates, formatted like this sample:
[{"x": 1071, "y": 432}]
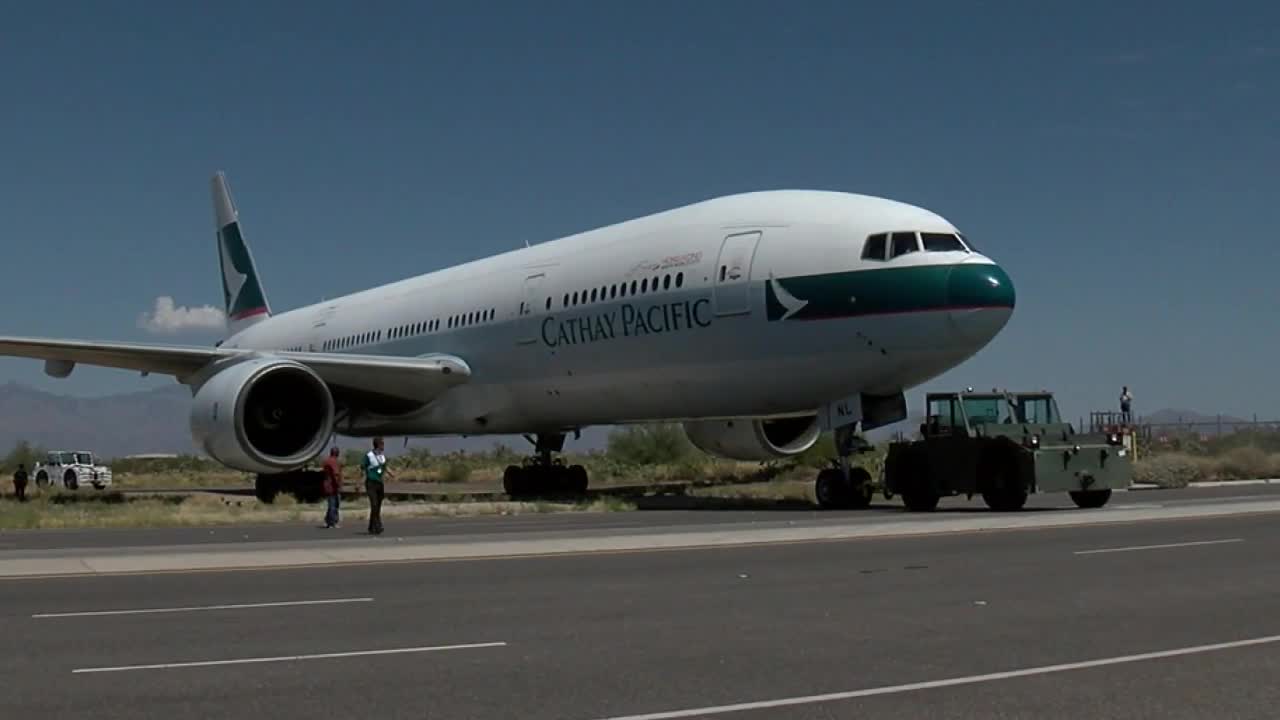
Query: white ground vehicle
[{"x": 72, "y": 469}]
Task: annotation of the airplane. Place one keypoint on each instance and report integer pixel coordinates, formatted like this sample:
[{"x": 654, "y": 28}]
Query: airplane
[{"x": 756, "y": 320}]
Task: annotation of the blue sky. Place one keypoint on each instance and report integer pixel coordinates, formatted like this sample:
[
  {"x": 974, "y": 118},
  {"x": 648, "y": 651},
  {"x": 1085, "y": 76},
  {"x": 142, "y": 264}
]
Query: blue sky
[{"x": 1120, "y": 163}]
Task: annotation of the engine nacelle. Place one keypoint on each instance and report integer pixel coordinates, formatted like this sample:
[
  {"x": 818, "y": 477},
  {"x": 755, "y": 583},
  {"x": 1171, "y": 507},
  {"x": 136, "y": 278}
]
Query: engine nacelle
[
  {"x": 754, "y": 439},
  {"x": 265, "y": 415}
]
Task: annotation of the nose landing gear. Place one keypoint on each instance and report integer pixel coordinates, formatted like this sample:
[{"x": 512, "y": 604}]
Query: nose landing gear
[
  {"x": 842, "y": 486},
  {"x": 542, "y": 475}
]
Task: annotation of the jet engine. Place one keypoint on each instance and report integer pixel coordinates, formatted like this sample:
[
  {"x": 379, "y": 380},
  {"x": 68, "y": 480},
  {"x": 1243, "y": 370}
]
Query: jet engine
[
  {"x": 265, "y": 415},
  {"x": 754, "y": 439}
]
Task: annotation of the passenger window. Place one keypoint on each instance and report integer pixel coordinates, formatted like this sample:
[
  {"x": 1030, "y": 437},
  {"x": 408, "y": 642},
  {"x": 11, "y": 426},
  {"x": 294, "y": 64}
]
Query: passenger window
[
  {"x": 903, "y": 243},
  {"x": 644, "y": 286},
  {"x": 633, "y": 287},
  {"x": 875, "y": 246},
  {"x": 941, "y": 242},
  {"x": 666, "y": 282},
  {"x": 548, "y": 303},
  {"x": 679, "y": 279}
]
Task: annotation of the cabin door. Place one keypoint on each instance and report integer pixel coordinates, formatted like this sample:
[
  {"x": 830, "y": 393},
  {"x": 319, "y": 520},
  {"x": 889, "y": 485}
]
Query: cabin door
[
  {"x": 733, "y": 273},
  {"x": 531, "y": 309}
]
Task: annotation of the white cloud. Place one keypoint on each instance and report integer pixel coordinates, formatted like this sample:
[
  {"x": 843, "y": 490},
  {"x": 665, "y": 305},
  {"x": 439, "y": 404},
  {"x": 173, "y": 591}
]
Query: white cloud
[{"x": 168, "y": 318}]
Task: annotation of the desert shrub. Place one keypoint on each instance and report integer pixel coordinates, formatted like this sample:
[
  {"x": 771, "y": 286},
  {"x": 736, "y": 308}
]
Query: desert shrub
[
  {"x": 23, "y": 453},
  {"x": 455, "y": 472},
  {"x": 650, "y": 445},
  {"x": 1169, "y": 470},
  {"x": 1246, "y": 463}
]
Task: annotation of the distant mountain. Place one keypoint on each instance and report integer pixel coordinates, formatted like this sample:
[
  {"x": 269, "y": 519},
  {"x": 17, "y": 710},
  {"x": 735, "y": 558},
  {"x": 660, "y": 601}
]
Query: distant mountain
[
  {"x": 1171, "y": 415},
  {"x": 1203, "y": 423},
  {"x": 155, "y": 421},
  {"x": 152, "y": 421}
]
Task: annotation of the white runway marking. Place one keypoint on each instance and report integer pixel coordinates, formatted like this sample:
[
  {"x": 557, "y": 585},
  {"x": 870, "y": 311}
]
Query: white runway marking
[
  {"x": 950, "y": 682},
  {"x": 1134, "y": 548},
  {"x": 286, "y": 658},
  {"x": 202, "y": 608}
]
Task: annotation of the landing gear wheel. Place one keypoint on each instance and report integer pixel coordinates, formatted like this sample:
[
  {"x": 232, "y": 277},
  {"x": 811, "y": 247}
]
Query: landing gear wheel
[
  {"x": 514, "y": 481},
  {"x": 859, "y": 488},
  {"x": 1089, "y": 499},
  {"x": 265, "y": 489},
  {"x": 834, "y": 492},
  {"x": 544, "y": 475},
  {"x": 831, "y": 490}
]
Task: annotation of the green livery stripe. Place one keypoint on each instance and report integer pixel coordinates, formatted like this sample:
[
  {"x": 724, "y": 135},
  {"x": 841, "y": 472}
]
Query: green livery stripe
[
  {"x": 922, "y": 288},
  {"x": 249, "y": 299}
]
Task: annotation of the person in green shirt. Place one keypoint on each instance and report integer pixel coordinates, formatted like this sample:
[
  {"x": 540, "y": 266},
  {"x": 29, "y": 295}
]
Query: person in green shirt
[{"x": 374, "y": 465}]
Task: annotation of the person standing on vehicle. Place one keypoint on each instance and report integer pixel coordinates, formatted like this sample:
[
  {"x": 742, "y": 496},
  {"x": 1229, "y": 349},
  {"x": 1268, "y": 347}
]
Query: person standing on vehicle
[
  {"x": 1126, "y": 403},
  {"x": 332, "y": 488},
  {"x": 20, "y": 483},
  {"x": 374, "y": 465}
]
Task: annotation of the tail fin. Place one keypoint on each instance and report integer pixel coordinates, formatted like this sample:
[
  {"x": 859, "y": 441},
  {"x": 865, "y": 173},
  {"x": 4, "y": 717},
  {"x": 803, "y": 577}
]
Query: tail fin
[{"x": 243, "y": 300}]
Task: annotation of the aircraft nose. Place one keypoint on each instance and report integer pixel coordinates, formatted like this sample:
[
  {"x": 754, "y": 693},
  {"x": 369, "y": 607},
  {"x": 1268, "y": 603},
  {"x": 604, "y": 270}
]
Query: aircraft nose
[{"x": 981, "y": 297}]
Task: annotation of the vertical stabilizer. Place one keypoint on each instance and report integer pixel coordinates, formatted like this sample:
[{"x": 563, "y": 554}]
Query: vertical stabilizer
[{"x": 243, "y": 300}]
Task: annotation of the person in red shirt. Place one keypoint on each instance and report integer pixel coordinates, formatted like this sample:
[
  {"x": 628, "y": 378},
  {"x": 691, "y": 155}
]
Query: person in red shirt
[{"x": 332, "y": 488}]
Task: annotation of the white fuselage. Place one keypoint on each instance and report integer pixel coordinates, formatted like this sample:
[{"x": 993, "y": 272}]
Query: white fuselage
[{"x": 556, "y": 338}]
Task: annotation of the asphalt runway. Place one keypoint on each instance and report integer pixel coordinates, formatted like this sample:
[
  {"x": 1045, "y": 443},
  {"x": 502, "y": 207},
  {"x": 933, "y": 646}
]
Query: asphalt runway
[
  {"x": 1050, "y": 623},
  {"x": 651, "y": 521}
]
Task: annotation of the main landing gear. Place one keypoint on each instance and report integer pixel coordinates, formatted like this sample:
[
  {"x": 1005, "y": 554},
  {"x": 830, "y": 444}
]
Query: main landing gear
[
  {"x": 543, "y": 475},
  {"x": 842, "y": 486}
]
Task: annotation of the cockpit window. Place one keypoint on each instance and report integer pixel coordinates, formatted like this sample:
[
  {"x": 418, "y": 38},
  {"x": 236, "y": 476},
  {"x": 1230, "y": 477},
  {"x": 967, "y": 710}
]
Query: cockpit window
[
  {"x": 875, "y": 247},
  {"x": 903, "y": 243},
  {"x": 941, "y": 242}
]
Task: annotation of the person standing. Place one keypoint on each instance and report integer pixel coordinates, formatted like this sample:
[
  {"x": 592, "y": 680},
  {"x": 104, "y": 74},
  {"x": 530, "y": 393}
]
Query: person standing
[
  {"x": 1126, "y": 404},
  {"x": 20, "y": 483},
  {"x": 332, "y": 488},
  {"x": 374, "y": 465}
]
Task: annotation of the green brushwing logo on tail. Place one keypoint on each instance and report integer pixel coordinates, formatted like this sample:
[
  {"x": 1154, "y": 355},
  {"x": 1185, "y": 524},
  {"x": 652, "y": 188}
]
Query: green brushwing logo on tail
[{"x": 241, "y": 292}]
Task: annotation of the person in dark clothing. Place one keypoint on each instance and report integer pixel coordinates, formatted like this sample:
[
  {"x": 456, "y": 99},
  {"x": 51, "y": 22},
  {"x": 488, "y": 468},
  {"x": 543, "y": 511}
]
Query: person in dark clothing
[
  {"x": 374, "y": 465},
  {"x": 332, "y": 488},
  {"x": 20, "y": 483}
]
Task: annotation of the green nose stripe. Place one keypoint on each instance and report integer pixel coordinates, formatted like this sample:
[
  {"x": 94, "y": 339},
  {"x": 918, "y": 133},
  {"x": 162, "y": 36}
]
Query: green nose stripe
[{"x": 973, "y": 285}]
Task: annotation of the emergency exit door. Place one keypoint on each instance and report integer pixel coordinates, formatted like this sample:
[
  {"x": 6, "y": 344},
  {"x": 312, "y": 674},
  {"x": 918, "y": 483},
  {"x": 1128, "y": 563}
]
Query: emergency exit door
[{"x": 731, "y": 294}]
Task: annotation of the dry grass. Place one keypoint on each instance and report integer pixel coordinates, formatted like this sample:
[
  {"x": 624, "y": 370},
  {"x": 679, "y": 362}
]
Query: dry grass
[
  {"x": 1178, "y": 469},
  {"x": 53, "y": 510}
]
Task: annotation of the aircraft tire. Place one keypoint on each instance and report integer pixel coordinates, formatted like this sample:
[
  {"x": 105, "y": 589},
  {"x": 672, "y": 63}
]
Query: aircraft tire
[
  {"x": 860, "y": 493},
  {"x": 831, "y": 490},
  {"x": 514, "y": 481}
]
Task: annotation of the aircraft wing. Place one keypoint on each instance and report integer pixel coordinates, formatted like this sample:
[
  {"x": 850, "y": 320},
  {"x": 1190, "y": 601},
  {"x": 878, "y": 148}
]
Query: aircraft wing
[{"x": 419, "y": 379}]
